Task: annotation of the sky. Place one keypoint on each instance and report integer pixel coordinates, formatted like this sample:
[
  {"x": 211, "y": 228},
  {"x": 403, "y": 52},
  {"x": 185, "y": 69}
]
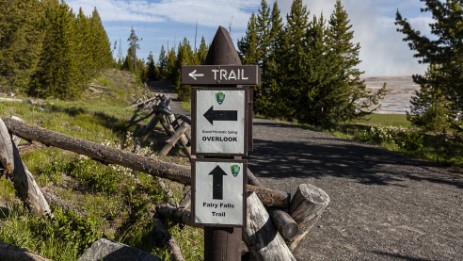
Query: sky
[{"x": 167, "y": 22}]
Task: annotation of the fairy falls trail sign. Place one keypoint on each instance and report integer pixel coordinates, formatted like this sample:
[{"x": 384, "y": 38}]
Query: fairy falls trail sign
[{"x": 220, "y": 199}]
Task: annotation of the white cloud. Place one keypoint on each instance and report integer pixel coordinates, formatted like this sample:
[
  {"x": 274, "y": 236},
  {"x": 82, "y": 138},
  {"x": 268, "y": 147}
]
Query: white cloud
[{"x": 206, "y": 12}]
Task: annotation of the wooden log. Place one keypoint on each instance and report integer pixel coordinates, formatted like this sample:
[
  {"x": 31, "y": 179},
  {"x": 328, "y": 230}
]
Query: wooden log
[
  {"x": 178, "y": 215},
  {"x": 168, "y": 240},
  {"x": 15, "y": 138},
  {"x": 150, "y": 127},
  {"x": 26, "y": 187},
  {"x": 183, "y": 140},
  {"x": 307, "y": 206},
  {"x": 9, "y": 252},
  {"x": 270, "y": 197},
  {"x": 186, "y": 201},
  {"x": 283, "y": 222},
  {"x": 6, "y": 150},
  {"x": 174, "y": 138},
  {"x": 100, "y": 152},
  {"x": 183, "y": 118},
  {"x": 264, "y": 242},
  {"x": 110, "y": 155},
  {"x": 24, "y": 183}
]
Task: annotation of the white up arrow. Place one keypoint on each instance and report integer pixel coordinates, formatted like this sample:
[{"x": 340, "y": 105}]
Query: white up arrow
[{"x": 193, "y": 74}]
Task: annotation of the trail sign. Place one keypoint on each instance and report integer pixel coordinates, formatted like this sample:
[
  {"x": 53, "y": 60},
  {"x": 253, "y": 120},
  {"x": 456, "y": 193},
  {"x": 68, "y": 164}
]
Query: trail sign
[
  {"x": 220, "y": 74},
  {"x": 220, "y": 122},
  {"x": 218, "y": 192}
]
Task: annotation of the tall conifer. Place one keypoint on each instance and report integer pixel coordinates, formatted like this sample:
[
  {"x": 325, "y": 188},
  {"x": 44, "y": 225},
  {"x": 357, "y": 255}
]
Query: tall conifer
[
  {"x": 443, "y": 52},
  {"x": 57, "y": 68}
]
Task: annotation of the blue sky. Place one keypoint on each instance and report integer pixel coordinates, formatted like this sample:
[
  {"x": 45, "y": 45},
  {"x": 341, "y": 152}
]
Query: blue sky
[{"x": 167, "y": 22}]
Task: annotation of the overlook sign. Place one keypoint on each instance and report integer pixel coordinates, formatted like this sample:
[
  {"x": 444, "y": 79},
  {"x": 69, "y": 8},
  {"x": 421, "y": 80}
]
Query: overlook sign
[
  {"x": 219, "y": 121},
  {"x": 220, "y": 74}
]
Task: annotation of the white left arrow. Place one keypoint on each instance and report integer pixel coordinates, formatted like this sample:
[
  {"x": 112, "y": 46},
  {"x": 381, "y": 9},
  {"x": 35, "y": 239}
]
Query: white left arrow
[{"x": 193, "y": 74}]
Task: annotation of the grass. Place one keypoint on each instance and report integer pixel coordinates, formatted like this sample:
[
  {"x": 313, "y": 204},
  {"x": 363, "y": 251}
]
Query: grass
[
  {"x": 385, "y": 120},
  {"x": 95, "y": 200},
  {"x": 395, "y": 133}
]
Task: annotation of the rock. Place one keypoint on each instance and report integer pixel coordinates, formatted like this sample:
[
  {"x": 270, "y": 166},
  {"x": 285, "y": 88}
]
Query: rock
[{"x": 104, "y": 249}]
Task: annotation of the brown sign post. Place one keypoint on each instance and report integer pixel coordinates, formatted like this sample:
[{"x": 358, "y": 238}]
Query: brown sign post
[{"x": 221, "y": 136}]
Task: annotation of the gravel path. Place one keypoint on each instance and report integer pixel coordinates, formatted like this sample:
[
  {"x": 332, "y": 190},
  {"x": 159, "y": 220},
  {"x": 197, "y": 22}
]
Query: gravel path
[{"x": 384, "y": 206}]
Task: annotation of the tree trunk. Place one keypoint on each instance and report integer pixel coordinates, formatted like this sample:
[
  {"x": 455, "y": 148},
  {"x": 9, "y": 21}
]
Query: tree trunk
[
  {"x": 260, "y": 235},
  {"x": 307, "y": 206}
]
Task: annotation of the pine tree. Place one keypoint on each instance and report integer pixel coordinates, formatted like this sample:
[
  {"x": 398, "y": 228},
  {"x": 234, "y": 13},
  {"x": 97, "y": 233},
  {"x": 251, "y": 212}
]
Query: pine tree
[
  {"x": 171, "y": 66},
  {"x": 100, "y": 44},
  {"x": 263, "y": 26},
  {"x": 201, "y": 53},
  {"x": 293, "y": 59},
  {"x": 162, "y": 63},
  {"x": 184, "y": 57},
  {"x": 266, "y": 96},
  {"x": 348, "y": 98},
  {"x": 444, "y": 52},
  {"x": 131, "y": 59},
  {"x": 429, "y": 107},
  {"x": 56, "y": 75},
  {"x": 247, "y": 45},
  {"x": 151, "y": 74},
  {"x": 85, "y": 60},
  {"x": 21, "y": 37}
]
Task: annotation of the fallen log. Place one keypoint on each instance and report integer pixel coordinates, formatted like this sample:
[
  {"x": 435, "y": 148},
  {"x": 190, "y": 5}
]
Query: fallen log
[
  {"x": 108, "y": 155},
  {"x": 263, "y": 241},
  {"x": 24, "y": 183},
  {"x": 100, "y": 152},
  {"x": 307, "y": 206},
  {"x": 6, "y": 151},
  {"x": 9, "y": 252}
]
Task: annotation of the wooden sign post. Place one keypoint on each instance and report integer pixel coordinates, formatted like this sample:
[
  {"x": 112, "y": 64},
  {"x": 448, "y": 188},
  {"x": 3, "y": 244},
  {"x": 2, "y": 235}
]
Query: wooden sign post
[{"x": 221, "y": 137}]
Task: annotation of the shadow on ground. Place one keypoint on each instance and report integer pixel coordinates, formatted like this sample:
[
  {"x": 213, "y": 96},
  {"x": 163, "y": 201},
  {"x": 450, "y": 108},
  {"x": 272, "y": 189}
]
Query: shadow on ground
[{"x": 326, "y": 155}]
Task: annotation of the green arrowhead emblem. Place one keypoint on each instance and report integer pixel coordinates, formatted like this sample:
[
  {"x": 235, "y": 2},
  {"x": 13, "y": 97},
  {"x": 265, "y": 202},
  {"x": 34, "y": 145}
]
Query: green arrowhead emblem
[
  {"x": 220, "y": 97},
  {"x": 235, "y": 169}
]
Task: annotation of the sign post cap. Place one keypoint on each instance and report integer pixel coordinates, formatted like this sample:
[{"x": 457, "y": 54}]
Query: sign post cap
[{"x": 222, "y": 51}]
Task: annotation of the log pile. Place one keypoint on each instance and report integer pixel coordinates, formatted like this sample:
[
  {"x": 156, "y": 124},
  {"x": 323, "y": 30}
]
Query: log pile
[
  {"x": 275, "y": 225},
  {"x": 176, "y": 126}
]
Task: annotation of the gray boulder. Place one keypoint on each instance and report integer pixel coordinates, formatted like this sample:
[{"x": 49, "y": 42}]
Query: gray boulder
[{"x": 104, "y": 249}]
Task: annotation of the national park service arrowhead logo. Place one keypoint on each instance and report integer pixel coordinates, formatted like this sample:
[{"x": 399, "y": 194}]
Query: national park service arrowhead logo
[
  {"x": 235, "y": 169},
  {"x": 220, "y": 97}
]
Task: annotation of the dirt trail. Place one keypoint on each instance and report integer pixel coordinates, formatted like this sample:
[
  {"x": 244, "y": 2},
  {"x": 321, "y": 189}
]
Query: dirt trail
[{"x": 384, "y": 206}]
